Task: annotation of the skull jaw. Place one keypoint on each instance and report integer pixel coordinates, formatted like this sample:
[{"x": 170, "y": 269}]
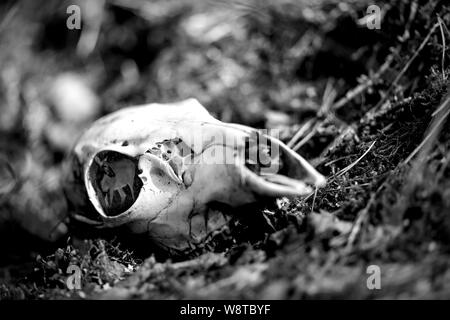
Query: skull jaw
[
  {"x": 181, "y": 227},
  {"x": 189, "y": 218}
]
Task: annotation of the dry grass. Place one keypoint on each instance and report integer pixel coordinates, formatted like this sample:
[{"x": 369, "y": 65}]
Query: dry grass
[{"x": 368, "y": 107}]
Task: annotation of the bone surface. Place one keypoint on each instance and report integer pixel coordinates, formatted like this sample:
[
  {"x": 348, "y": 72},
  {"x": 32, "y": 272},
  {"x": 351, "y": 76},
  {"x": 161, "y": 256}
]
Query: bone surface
[{"x": 159, "y": 168}]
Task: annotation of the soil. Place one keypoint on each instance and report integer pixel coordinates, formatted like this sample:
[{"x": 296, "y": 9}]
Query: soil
[{"x": 367, "y": 107}]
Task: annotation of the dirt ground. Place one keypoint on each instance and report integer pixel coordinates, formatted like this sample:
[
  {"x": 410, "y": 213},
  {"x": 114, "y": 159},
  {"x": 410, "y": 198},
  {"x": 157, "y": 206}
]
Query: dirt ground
[{"x": 368, "y": 107}]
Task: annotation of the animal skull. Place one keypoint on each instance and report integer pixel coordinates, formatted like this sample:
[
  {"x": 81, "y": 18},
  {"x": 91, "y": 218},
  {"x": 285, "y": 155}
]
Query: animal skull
[{"x": 160, "y": 168}]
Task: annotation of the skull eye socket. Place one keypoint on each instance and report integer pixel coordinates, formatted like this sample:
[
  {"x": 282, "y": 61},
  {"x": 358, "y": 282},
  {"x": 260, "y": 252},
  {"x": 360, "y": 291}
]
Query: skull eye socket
[{"x": 115, "y": 180}]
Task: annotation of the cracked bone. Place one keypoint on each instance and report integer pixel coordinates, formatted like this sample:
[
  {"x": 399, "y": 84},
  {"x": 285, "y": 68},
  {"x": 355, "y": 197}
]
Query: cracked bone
[{"x": 159, "y": 168}]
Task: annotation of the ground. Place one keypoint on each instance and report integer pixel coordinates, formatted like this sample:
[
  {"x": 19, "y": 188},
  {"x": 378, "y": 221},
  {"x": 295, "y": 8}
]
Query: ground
[{"x": 368, "y": 107}]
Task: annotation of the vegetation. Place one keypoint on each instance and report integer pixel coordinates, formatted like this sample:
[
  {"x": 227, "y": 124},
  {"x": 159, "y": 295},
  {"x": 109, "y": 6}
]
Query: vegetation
[{"x": 368, "y": 107}]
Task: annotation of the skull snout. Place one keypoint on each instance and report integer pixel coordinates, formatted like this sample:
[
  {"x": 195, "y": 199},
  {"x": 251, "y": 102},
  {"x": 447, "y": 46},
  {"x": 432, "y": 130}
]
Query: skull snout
[{"x": 276, "y": 170}]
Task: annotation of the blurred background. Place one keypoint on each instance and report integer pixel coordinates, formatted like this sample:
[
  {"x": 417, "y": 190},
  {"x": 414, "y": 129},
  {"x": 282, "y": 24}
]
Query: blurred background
[
  {"x": 261, "y": 63},
  {"x": 289, "y": 64}
]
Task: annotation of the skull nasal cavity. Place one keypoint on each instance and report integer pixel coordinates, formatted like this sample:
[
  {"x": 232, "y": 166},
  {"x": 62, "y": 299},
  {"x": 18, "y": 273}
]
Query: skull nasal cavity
[
  {"x": 258, "y": 155},
  {"x": 115, "y": 179}
]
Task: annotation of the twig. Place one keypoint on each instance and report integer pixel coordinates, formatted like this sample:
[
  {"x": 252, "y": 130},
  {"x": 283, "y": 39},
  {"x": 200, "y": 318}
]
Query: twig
[
  {"x": 350, "y": 95},
  {"x": 360, "y": 219},
  {"x": 406, "y": 66},
  {"x": 364, "y": 214},
  {"x": 329, "y": 95},
  {"x": 434, "y": 127},
  {"x": 204, "y": 261},
  {"x": 314, "y": 200},
  {"x": 412, "y": 16},
  {"x": 414, "y": 56},
  {"x": 346, "y": 169},
  {"x": 307, "y": 137},
  {"x": 91, "y": 32},
  {"x": 385, "y": 66},
  {"x": 444, "y": 76},
  {"x": 9, "y": 16},
  {"x": 300, "y": 132},
  {"x": 329, "y": 163}
]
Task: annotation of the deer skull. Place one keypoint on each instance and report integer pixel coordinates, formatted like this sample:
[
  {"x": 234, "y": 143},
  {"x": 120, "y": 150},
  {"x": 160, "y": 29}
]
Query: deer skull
[{"x": 160, "y": 168}]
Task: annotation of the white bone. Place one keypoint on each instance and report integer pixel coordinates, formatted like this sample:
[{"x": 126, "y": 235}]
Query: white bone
[{"x": 165, "y": 205}]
